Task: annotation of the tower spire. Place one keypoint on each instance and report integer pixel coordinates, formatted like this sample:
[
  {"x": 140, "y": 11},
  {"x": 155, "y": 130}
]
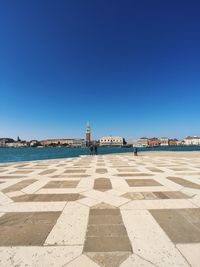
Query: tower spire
[{"x": 88, "y": 134}]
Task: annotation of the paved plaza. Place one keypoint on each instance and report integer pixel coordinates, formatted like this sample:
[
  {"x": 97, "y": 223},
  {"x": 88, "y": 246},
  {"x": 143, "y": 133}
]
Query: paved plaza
[{"x": 107, "y": 210}]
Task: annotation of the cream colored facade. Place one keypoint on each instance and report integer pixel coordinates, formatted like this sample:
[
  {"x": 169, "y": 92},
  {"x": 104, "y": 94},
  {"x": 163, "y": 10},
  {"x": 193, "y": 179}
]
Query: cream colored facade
[
  {"x": 70, "y": 142},
  {"x": 192, "y": 140},
  {"x": 143, "y": 141},
  {"x": 164, "y": 141},
  {"x": 111, "y": 141}
]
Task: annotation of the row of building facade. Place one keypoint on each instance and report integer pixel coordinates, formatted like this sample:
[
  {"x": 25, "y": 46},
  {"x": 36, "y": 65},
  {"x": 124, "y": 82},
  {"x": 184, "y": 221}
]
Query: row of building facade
[
  {"x": 104, "y": 141},
  {"x": 8, "y": 142},
  {"x": 165, "y": 141}
]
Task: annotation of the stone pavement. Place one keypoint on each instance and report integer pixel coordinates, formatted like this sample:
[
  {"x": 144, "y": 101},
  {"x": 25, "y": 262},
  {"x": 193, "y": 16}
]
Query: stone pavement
[{"x": 110, "y": 210}]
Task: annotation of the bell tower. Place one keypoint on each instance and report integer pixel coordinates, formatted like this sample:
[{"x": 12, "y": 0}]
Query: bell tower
[{"x": 88, "y": 134}]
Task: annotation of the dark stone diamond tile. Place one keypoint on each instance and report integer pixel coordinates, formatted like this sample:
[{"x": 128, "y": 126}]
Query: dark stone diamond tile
[
  {"x": 107, "y": 244},
  {"x": 47, "y": 197},
  {"x": 26, "y": 228},
  {"x": 181, "y": 225},
  {"x": 127, "y": 170},
  {"x": 108, "y": 259},
  {"x": 62, "y": 184},
  {"x": 75, "y": 171},
  {"x": 154, "y": 169},
  {"x": 19, "y": 186},
  {"x": 102, "y": 184},
  {"x": 21, "y": 172},
  {"x": 106, "y": 230},
  {"x": 133, "y": 195},
  {"x": 176, "y": 195},
  {"x": 184, "y": 182},
  {"x": 70, "y": 176},
  {"x": 149, "y": 195},
  {"x": 11, "y": 177},
  {"x": 47, "y": 171},
  {"x": 105, "y": 212},
  {"x": 142, "y": 182},
  {"x": 134, "y": 174},
  {"x": 105, "y": 219},
  {"x": 101, "y": 170},
  {"x": 191, "y": 215},
  {"x": 161, "y": 195}
]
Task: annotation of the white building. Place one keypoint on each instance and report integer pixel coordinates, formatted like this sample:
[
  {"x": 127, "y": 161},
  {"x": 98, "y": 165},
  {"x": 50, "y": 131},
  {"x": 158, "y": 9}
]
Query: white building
[
  {"x": 111, "y": 141},
  {"x": 143, "y": 141},
  {"x": 164, "y": 141},
  {"x": 16, "y": 144},
  {"x": 192, "y": 140}
]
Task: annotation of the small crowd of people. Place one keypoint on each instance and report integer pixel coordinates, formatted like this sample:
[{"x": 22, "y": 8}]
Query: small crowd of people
[{"x": 93, "y": 149}]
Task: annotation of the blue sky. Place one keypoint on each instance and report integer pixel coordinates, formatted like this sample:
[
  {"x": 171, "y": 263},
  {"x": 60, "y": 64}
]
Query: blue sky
[{"x": 131, "y": 68}]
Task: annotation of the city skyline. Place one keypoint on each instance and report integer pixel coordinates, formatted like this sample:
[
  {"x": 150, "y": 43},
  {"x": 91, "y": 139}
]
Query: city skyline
[
  {"x": 90, "y": 137},
  {"x": 127, "y": 68}
]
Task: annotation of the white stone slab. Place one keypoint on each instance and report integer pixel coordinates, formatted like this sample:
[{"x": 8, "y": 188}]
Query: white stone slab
[
  {"x": 59, "y": 191},
  {"x": 88, "y": 201},
  {"x": 158, "y": 204},
  {"x": 191, "y": 252},
  {"x": 119, "y": 183},
  {"x": 33, "y": 206},
  {"x": 195, "y": 201},
  {"x": 86, "y": 183},
  {"x": 34, "y": 187},
  {"x": 149, "y": 241},
  {"x": 38, "y": 256},
  {"x": 70, "y": 228},
  {"x": 4, "y": 199}
]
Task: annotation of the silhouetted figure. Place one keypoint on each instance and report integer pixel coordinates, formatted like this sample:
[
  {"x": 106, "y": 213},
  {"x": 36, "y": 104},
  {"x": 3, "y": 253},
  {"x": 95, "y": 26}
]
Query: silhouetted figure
[
  {"x": 91, "y": 149},
  {"x": 135, "y": 150},
  {"x": 95, "y": 149}
]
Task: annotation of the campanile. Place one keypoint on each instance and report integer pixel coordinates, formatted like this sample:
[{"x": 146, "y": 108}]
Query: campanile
[{"x": 88, "y": 134}]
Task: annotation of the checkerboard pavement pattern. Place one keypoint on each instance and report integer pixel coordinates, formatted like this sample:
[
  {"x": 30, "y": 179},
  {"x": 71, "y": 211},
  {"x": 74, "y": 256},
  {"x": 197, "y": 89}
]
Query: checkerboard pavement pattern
[{"x": 107, "y": 210}]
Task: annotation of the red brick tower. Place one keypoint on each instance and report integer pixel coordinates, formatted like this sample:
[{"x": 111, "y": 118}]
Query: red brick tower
[{"x": 88, "y": 134}]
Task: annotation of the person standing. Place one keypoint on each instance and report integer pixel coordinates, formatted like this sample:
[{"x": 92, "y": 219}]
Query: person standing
[
  {"x": 135, "y": 150},
  {"x": 91, "y": 149},
  {"x": 95, "y": 149}
]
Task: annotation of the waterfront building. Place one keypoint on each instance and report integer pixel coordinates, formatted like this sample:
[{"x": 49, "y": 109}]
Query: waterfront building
[
  {"x": 17, "y": 144},
  {"x": 164, "y": 141},
  {"x": 4, "y": 141},
  {"x": 173, "y": 142},
  {"x": 112, "y": 141},
  {"x": 62, "y": 142},
  {"x": 132, "y": 142},
  {"x": 34, "y": 143},
  {"x": 143, "y": 141},
  {"x": 153, "y": 141},
  {"x": 181, "y": 143},
  {"x": 88, "y": 134},
  {"x": 192, "y": 140}
]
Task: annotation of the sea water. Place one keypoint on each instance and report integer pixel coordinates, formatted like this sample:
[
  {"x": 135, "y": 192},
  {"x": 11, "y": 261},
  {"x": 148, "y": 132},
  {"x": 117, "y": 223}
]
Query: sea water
[{"x": 34, "y": 153}]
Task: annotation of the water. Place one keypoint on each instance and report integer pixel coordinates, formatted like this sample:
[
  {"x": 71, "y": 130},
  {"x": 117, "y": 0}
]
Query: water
[{"x": 27, "y": 154}]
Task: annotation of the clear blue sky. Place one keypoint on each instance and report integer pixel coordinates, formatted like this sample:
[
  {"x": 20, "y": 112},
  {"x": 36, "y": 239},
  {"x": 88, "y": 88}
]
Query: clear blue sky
[{"x": 131, "y": 68}]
